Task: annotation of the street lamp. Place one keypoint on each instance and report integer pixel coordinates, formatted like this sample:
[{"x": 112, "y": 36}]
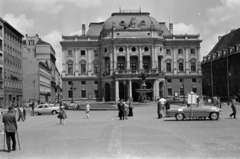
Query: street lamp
[
  {"x": 72, "y": 88},
  {"x": 227, "y": 64},
  {"x": 183, "y": 91},
  {"x": 34, "y": 91}
]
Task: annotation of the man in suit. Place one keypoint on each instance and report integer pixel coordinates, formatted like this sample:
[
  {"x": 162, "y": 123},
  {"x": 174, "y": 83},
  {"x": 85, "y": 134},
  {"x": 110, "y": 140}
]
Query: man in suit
[
  {"x": 121, "y": 108},
  {"x": 10, "y": 127}
]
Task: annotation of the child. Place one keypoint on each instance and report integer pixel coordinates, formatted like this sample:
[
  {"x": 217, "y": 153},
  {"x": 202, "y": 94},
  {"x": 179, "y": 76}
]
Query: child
[{"x": 87, "y": 110}]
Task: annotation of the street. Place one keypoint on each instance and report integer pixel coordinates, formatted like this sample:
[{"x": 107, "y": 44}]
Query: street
[{"x": 103, "y": 135}]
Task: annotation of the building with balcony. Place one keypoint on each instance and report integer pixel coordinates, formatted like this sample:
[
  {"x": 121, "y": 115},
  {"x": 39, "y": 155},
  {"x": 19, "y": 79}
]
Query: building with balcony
[
  {"x": 41, "y": 75},
  {"x": 220, "y": 68},
  {"x": 105, "y": 63},
  {"x": 11, "y": 63}
]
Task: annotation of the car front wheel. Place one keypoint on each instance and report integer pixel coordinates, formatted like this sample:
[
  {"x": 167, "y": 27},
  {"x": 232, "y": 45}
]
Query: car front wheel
[
  {"x": 179, "y": 116},
  {"x": 54, "y": 112},
  {"x": 214, "y": 116}
]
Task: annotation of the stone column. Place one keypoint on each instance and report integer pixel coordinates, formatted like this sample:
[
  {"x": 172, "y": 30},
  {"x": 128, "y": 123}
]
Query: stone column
[
  {"x": 153, "y": 57},
  {"x": 187, "y": 60},
  {"x": 76, "y": 62},
  {"x": 115, "y": 58},
  {"x": 198, "y": 63},
  {"x": 157, "y": 89},
  {"x": 128, "y": 58},
  {"x": 116, "y": 91},
  {"x": 140, "y": 59},
  {"x": 130, "y": 88},
  {"x": 175, "y": 53},
  {"x": 111, "y": 62},
  {"x": 156, "y": 58}
]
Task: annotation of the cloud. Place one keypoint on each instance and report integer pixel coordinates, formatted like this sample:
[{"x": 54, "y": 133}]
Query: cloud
[
  {"x": 21, "y": 23},
  {"x": 54, "y": 6},
  {"x": 54, "y": 38},
  {"x": 100, "y": 19},
  {"x": 182, "y": 28}
]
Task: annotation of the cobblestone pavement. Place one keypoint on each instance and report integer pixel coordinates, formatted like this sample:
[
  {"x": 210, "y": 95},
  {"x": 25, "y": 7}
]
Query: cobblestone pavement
[{"x": 103, "y": 135}]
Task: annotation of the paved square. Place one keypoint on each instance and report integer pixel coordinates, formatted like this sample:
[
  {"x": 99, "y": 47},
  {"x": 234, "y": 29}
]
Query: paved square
[{"x": 141, "y": 136}]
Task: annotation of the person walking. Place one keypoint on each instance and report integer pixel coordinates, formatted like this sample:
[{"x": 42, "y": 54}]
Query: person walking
[
  {"x": 24, "y": 113},
  {"x": 163, "y": 106},
  {"x": 10, "y": 128},
  {"x": 130, "y": 104},
  {"x": 33, "y": 108},
  {"x": 87, "y": 110},
  {"x": 159, "y": 108},
  {"x": 234, "y": 109},
  {"x": 126, "y": 110},
  {"x": 20, "y": 113},
  {"x": 121, "y": 109},
  {"x": 62, "y": 115}
]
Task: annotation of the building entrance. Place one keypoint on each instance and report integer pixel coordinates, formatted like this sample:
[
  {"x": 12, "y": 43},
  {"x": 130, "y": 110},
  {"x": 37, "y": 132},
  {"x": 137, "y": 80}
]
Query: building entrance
[
  {"x": 135, "y": 95},
  {"x": 107, "y": 92}
]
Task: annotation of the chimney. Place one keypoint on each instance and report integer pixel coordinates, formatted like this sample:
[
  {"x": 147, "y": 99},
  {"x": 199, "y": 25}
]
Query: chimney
[
  {"x": 219, "y": 38},
  {"x": 171, "y": 28},
  {"x": 83, "y": 29}
]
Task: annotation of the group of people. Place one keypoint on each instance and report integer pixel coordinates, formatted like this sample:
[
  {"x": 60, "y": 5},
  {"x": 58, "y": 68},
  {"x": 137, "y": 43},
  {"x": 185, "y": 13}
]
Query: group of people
[
  {"x": 125, "y": 109},
  {"x": 162, "y": 106}
]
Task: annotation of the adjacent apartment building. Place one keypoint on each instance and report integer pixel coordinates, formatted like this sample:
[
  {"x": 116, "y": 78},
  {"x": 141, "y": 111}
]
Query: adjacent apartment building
[
  {"x": 221, "y": 67},
  {"x": 10, "y": 65},
  {"x": 105, "y": 62},
  {"x": 41, "y": 78}
]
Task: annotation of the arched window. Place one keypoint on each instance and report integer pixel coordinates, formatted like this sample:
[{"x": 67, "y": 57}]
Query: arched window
[
  {"x": 142, "y": 22},
  {"x": 133, "y": 49},
  {"x": 122, "y": 23},
  {"x": 120, "y": 49},
  {"x": 146, "y": 49}
]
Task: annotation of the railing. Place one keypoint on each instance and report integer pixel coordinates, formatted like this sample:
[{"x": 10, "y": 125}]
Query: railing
[{"x": 136, "y": 71}]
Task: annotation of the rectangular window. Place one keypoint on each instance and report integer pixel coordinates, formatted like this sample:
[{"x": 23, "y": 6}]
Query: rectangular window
[
  {"x": 194, "y": 80},
  {"x": 181, "y": 91},
  {"x": 107, "y": 67},
  {"x": 70, "y": 83},
  {"x": 95, "y": 53},
  {"x": 96, "y": 93},
  {"x": 121, "y": 66},
  {"x": 180, "y": 51},
  {"x": 168, "y": 52},
  {"x": 194, "y": 89},
  {"x": 95, "y": 68},
  {"x": 180, "y": 80},
  {"x": 83, "y": 82},
  {"x": 1, "y": 45},
  {"x": 83, "y": 53},
  {"x": 145, "y": 66},
  {"x": 193, "y": 66},
  {"x": 168, "y": 67},
  {"x": 0, "y": 30},
  {"x": 84, "y": 95},
  {"x": 83, "y": 68},
  {"x": 96, "y": 82},
  {"x": 169, "y": 80},
  {"x": 180, "y": 65},
  {"x": 70, "y": 68},
  {"x": 133, "y": 66},
  {"x": 70, "y": 53},
  {"x": 193, "y": 51},
  {"x": 70, "y": 94},
  {"x": 170, "y": 91}
]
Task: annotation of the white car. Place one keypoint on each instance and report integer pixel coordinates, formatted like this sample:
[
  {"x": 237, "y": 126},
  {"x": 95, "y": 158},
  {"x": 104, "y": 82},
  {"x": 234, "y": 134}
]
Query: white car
[{"x": 46, "y": 109}]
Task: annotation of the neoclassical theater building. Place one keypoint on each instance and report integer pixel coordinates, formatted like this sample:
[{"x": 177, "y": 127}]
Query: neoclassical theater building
[{"x": 105, "y": 63}]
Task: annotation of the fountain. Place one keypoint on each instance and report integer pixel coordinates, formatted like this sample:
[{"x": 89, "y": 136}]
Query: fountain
[{"x": 142, "y": 91}]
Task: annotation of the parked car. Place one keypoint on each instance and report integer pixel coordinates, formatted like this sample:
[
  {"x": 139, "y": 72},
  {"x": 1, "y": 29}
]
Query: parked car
[
  {"x": 181, "y": 113},
  {"x": 72, "y": 106},
  {"x": 46, "y": 109}
]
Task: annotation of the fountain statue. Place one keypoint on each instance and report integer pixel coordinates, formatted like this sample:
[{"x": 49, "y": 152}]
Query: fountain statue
[{"x": 142, "y": 91}]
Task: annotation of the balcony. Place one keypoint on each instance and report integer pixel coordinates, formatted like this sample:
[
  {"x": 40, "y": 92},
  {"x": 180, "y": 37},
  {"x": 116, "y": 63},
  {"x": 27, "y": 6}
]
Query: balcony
[{"x": 154, "y": 71}]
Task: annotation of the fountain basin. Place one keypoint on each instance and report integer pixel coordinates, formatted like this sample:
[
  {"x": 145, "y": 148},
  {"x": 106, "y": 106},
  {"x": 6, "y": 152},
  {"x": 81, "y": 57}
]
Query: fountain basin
[{"x": 144, "y": 90}]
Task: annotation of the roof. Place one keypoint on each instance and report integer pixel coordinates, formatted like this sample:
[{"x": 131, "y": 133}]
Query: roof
[
  {"x": 41, "y": 42},
  {"x": 11, "y": 27},
  {"x": 95, "y": 28},
  {"x": 227, "y": 41},
  {"x": 135, "y": 20},
  {"x": 164, "y": 28}
]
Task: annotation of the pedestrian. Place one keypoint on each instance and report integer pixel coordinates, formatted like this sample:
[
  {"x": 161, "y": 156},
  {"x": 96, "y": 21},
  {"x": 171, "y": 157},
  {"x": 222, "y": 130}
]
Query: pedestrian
[
  {"x": 10, "y": 128},
  {"x": 130, "y": 104},
  {"x": 87, "y": 110},
  {"x": 121, "y": 110},
  {"x": 75, "y": 106},
  {"x": 198, "y": 100},
  {"x": 33, "y": 108},
  {"x": 219, "y": 102},
  {"x": 163, "y": 106},
  {"x": 159, "y": 108},
  {"x": 126, "y": 110},
  {"x": 233, "y": 105},
  {"x": 20, "y": 113},
  {"x": 24, "y": 113},
  {"x": 62, "y": 115}
]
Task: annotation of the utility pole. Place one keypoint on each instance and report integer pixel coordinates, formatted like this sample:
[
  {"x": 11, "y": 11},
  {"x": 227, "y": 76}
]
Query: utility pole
[{"x": 34, "y": 91}]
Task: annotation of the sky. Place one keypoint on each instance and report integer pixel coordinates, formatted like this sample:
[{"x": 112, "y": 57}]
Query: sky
[{"x": 51, "y": 19}]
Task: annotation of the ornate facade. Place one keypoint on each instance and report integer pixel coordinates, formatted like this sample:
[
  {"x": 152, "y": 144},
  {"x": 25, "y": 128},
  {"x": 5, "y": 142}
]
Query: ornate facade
[{"x": 104, "y": 64}]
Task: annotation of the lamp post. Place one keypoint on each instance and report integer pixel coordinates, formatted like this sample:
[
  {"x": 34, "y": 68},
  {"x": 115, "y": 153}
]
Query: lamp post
[
  {"x": 72, "y": 88},
  {"x": 183, "y": 91},
  {"x": 227, "y": 64},
  {"x": 34, "y": 91},
  {"x": 124, "y": 83}
]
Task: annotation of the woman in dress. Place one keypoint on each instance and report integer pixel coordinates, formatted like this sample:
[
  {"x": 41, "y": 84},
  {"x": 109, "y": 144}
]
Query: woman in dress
[{"x": 62, "y": 115}]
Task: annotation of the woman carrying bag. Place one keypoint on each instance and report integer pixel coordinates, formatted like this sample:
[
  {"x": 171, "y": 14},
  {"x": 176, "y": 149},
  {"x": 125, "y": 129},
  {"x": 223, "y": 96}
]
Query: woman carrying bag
[{"x": 62, "y": 115}]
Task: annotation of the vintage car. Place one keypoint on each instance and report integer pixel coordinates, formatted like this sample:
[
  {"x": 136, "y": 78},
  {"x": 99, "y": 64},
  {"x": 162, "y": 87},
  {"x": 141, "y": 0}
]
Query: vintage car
[
  {"x": 180, "y": 113},
  {"x": 46, "y": 109}
]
